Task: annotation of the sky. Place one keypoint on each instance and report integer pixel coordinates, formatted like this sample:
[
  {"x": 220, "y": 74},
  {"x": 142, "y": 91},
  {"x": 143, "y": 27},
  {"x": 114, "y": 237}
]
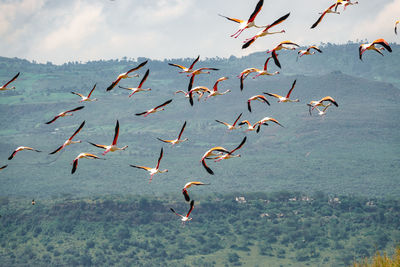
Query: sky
[{"x": 60, "y": 31}]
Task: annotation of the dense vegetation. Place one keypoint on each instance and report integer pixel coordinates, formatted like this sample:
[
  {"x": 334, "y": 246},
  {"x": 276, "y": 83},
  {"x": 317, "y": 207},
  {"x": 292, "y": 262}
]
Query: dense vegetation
[
  {"x": 379, "y": 260},
  {"x": 354, "y": 149},
  {"x": 281, "y": 229}
]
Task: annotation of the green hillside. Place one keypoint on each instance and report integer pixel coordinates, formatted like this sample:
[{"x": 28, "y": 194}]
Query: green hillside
[
  {"x": 352, "y": 150},
  {"x": 276, "y": 229}
]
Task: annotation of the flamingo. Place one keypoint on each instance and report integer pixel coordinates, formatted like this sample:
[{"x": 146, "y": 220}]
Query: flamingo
[
  {"x": 4, "y": 87},
  {"x": 113, "y": 147},
  {"x": 154, "y": 170},
  {"x": 64, "y": 114},
  {"x": 212, "y": 153},
  {"x": 185, "y": 218},
  {"x": 267, "y": 119},
  {"x": 177, "y": 140},
  {"x": 230, "y": 153},
  {"x": 199, "y": 90},
  {"x": 320, "y": 102},
  {"x": 69, "y": 140},
  {"x": 86, "y": 98},
  {"x": 154, "y": 110},
  {"x": 33, "y": 202},
  {"x": 244, "y": 24},
  {"x": 243, "y": 75},
  {"x": 200, "y": 94},
  {"x": 125, "y": 75},
  {"x": 200, "y": 71},
  {"x": 139, "y": 88},
  {"x": 265, "y": 31},
  {"x": 280, "y": 46},
  {"x": 184, "y": 69},
  {"x": 185, "y": 192},
  {"x": 233, "y": 126},
  {"x": 371, "y": 46},
  {"x": 256, "y": 97},
  {"x": 250, "y": 127},
  {"x": 264, "y": 71},
  {"x": 80, "y": 156},
  {"x": 301, "y": 53},
  {"x": 3, "y": 167},
  {"x": 328, "y": 10},
  {"x": 395, "y": 26},
  {"x": 283, "y": 99},
  {"x": 215, "y": 91},
  {"x": 20, "y": 148}
]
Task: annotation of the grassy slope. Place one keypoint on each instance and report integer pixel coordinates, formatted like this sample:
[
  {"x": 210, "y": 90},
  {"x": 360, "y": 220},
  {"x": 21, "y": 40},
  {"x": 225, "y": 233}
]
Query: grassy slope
[{"x": 354, "y": 149}]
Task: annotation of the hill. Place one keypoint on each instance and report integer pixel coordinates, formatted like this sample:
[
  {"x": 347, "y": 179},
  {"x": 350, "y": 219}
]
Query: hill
[{"x": 352, "y": 150}]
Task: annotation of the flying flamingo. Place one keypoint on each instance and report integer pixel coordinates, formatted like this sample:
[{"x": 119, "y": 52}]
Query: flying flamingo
[
  {"x": 200, "y": 71},
  {"x": 125, "y": 75},
  {"x": 185, "y": 218},
  {"x": 243, "y": 75},
  {"x": 20, "y": 148},
  {"x": 395, "y": 26},
  {"x": 314, "y": 104},
  {"x": 280, "y": 46},
  {"x": 154, "y": 110},
  {"x": 267, "y": 119},
  {"x": 185, "y": 192},
  {"x": 283, "y": 99},
  {"x": 265, "y": 31},
  {"x": 4, "y": 87},
  {"x": 230, "y": 153},
  {"x": 139, "y": 88},
  {"x": 244, "y": 24},
  {"x": 64, "y": 114},
  {"x": 33, "y": 202},
  {"x": 200, "y": 93},
  {"x": 215, "y": 91},
  {"x": 212, "y": 153},
  {"x": 184, "y": 69},
  {"x": 301, "y": 53},
  {"x": 86, "y": 98},
  {"x": 371, "y": 46},
  {"x": 328, "y": 10},
  {"x": 80, "y": 156},
  {"x": 264, "y": 71},
  {"x": 113, "y": 147},
  {"x": 177, "y": 140},
  {"x": 69, "y": 140},
  {"x": 256, "y": 97},
  {"x": 250, "y": 127},
  {"x": 233, "y": 126},
  {"x": 154, "y": 170}
]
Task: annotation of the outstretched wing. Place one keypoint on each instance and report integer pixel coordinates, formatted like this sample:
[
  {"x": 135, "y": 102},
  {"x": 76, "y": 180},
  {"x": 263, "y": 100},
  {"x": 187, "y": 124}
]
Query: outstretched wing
[
  {"x": 291, "y": 89},
  {"x": 13, "y": 79},
  {"x": 383, "y": 43},
  {"x": 231, "y": 19},
  {"x": 176, "y": 65},
  {"x": 191, "y": 208},
  {"x": 278, "y": 21},
  {"x": 91, "y": 91},
  {"x": 116, "y": 134},
  {"x": 194, "y": 62},
  {"x": 237, "y": 119},
  {"x": 140, "y": 167},
  {"x": 55, "y": 151},
  {"x": 183, "y": 128},
  {"x": 164, "y": 104},
  {"x": 77, "y": 130},
  {"x": 144, "y": 78},
  {"x": 75, "y": 109},
  {"x": 74, "y": 166},
  {"x": 240, "y": 145},
  {"x": 256, "y": 10},
  {"x": 53, "y": 120},
  {"x": 99, "y": 146},
  {"x": 159, "y": 158},
  {"x": 138, "y": 67},
  {"x": 275, "y": 57}
]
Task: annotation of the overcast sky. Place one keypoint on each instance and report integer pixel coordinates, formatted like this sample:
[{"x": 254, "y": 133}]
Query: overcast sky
[{"x": 81, "y": 30}]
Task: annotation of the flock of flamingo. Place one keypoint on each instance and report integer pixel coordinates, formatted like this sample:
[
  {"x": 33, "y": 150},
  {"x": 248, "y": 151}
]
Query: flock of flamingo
[{"x": 217, "y": 153}]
